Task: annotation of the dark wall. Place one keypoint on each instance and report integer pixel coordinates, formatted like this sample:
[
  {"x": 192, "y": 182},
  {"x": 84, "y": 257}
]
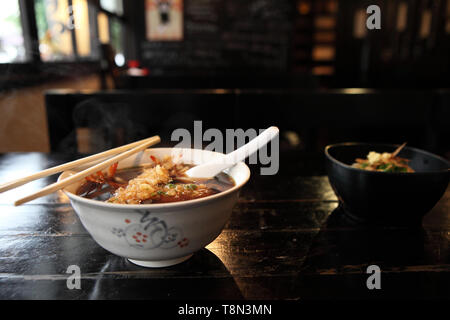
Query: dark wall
[
  {"x": 257, "y": 38},
  {"x": 221, "y": 37}
]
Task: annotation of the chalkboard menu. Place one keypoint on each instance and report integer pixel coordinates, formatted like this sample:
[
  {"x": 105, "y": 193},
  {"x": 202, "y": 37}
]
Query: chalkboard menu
[{"x": 227, "y": 36}]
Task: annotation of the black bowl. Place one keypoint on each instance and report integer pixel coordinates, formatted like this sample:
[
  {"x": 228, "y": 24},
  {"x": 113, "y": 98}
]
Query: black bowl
[{"x": 384, "y": 198}]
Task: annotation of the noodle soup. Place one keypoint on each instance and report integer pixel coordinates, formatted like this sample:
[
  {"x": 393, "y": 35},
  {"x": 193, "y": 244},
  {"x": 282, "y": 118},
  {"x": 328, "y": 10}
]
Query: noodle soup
[{"x": 159, "y": 182}]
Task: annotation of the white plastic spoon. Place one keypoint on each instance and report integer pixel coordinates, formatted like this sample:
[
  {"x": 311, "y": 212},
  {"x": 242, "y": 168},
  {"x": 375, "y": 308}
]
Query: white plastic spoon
[{"x": 211, "y": 169}]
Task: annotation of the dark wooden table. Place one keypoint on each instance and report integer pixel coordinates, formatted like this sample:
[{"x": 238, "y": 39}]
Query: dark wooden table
[{"x": 285, "y": 240}]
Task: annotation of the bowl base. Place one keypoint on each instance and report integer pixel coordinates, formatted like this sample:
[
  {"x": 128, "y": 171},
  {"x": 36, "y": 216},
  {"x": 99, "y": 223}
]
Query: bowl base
[{"x": 159, "y": 263}]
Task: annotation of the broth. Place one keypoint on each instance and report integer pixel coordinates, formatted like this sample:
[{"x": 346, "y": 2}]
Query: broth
[{"x": 180, "y": 188}]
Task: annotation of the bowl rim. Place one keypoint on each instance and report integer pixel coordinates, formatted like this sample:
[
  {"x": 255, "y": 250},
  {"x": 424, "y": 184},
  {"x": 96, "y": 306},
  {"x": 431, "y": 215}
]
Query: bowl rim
[
  {"x": 97, "y": 203},
  {"x": 344, "y": 144}
]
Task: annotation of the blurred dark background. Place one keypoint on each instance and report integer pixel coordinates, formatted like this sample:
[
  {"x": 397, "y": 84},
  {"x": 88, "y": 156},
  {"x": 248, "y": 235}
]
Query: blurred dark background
[{"x": 83, "y": 76}]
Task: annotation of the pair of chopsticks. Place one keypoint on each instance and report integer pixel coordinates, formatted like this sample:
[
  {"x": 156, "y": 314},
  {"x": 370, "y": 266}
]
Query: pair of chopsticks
[{"x": 129, "y": 149}]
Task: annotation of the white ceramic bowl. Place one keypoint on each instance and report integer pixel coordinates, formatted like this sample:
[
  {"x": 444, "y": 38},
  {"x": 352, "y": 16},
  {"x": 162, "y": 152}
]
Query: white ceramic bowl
[{"x": 159, "y": 235}]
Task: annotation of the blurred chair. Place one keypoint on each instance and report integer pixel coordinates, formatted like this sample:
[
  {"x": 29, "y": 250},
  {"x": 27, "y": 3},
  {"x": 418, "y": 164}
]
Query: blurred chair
[
  {"x": 410, "y": 50},
  {"x": 109, "y": 68}
]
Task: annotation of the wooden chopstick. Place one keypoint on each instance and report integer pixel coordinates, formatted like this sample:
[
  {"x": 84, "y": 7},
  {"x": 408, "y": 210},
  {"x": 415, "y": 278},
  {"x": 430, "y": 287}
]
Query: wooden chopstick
[
  {"x": 69, "y": 165},
  {"x": 80, "y": 175}
]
